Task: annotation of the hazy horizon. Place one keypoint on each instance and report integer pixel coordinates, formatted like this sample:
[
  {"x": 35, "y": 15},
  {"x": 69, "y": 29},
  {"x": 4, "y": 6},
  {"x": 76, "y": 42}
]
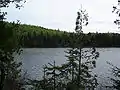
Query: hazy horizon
[{"x": 61, "y": 14}]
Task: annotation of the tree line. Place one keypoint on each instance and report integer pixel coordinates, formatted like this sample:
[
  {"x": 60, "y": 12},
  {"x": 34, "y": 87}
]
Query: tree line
[
  {"x": 75, "y": 74},
  {"x": 40, "y": 37}
]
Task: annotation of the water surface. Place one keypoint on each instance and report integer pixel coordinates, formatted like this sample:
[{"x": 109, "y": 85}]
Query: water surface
[{"x": 34, "y": 58}]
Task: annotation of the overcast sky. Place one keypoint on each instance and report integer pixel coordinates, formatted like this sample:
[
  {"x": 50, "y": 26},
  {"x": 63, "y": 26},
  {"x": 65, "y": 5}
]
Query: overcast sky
[{"x": 62, "y": 14}]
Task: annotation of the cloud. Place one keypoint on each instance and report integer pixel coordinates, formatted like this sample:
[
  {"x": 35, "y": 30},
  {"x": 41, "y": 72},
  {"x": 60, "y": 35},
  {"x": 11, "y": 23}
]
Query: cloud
[{"x": 62, "y": 13}]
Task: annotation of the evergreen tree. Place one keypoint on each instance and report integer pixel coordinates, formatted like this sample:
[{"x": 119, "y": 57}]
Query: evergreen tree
[
  {"x": 76, "y": 73},
  {"x": 9, "y": 46},
  {"x": 51, "y": 77},
  {"x": 80, "y": 60},
  {"x": 115, "y": 71}
]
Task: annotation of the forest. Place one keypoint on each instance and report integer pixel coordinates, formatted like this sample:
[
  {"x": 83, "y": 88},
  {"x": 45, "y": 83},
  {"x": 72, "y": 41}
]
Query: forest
[
  {"x": 40, "y": 37},
  {"x": 76, "y": 73}
]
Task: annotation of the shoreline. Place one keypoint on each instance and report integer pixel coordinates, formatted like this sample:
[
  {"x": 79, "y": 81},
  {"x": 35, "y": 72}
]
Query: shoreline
[{"x": 69, "y": 47}]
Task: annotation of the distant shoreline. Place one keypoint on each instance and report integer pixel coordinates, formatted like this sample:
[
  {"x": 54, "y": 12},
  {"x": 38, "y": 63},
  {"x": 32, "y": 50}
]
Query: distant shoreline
[{"x": 69, "y": 47}]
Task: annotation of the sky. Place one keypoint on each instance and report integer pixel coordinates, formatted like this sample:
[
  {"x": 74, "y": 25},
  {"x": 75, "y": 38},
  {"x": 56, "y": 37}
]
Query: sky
[{"x": 61, "y": 14}]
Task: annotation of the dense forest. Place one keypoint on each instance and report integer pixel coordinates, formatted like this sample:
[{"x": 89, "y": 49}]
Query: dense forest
[
  {"x": 36, "y": 36},
  {"x": 75, "y": 74}
]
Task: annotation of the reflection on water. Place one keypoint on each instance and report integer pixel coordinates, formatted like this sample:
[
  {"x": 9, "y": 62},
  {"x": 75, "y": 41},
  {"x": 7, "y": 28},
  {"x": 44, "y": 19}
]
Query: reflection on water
[{"x": 34, "y": 58}]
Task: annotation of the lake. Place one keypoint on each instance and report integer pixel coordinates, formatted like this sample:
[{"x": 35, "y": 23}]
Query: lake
[{"x": 34, "y": 58}]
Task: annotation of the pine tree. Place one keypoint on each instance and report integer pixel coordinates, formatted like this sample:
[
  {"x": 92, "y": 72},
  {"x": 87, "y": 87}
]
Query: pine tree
[
  {"x": 76, "y": 73},
  {"x": 9, "y": 45},
  {"x": 81, "y": 61},
  {"x": 52, "y": 76},
  {"x": 115, "y": 71}
]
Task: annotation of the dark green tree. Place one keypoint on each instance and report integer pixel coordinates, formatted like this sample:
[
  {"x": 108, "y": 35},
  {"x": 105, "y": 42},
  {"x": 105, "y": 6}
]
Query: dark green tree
[
  {"x": 115, "y": 71},
  {"x": 9, "y": 46},
  {"x": 53, "y": 76},
  {"x": 81, "y": 59}
]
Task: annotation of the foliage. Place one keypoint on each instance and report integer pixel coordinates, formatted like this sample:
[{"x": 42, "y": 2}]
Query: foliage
[
  {"x": 114, "y": 69},
  {"x": 84, "y": 58},
  {"x": 9, "y": 47},
  {"x": 116, "y": 10},
  {"x": 116, "y": 76},
  {"x": 6, "y": 3},
  {"x": 76, "y": 72},
  {"x": 36, "y": 36}
]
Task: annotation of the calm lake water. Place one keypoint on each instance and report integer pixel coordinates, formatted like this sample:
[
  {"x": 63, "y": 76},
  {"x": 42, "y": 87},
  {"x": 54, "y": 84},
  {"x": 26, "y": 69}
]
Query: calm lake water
[{"x": 34, "y": 58}]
